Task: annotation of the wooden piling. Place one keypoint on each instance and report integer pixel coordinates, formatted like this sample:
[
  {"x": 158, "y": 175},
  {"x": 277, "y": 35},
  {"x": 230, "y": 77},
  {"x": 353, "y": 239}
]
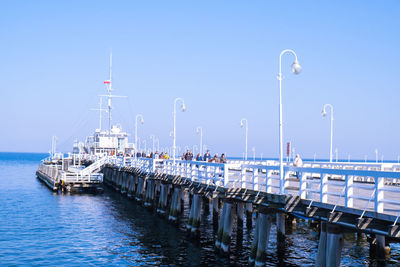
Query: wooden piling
[
  {"x": 175, "y": 208},
  {"x": 220, "y": 231},
  {"x": 162, "y": 201},
  {"x": 149, "y": 197},
  {"x": 240, "y": 214},
  {"x": 321, "y": 256},
  {"x": 382, "y": 249},
  {"x": 195, "y": 230},
  {"x": 139, "y": 189},
  {"x": 227, "y": 230},
  {"x": 124, "y": 183},
  {"x": 334, "y": 245},
  {"x": 258, "y": 250},
  {"x": 280, "y": 226},
  {"x": 206, "y": 205},
  {"x": 119, "y": 180},
  {"x": 254, "y": 244},
  {"x": 249, "y": 215},
  {"x": 265, "y": 221},
  {"x": 131, "y": 187}
]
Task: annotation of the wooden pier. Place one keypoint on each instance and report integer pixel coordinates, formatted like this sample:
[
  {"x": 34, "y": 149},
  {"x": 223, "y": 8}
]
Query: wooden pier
[
  {"x": 360, "y": 199},
  {"x": 63, "y": 175}
]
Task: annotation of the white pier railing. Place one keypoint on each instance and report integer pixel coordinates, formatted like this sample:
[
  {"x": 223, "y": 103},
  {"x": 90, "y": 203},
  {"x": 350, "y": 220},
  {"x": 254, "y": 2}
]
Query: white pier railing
[{"x": 367, "y": 187}]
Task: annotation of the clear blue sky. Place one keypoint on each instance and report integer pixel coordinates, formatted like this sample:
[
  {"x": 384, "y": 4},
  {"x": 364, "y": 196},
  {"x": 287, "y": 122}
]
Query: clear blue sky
[{"x": 220, "y": 56}]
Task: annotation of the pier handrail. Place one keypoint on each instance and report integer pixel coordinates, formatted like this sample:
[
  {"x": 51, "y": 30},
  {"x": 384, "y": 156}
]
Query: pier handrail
[{"x": 338, "y": 185}]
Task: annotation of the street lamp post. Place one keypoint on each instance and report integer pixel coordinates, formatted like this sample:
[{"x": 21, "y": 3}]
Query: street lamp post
[
  {"x": 152, "y": 137},
  {"x": 293, "y": 153},
  {"x": 376, "y": 155},
  {"x": 199, "y": 130},
  {"x": 145, "y": 147},
  {"x": 136, "y": 125},
  {"x": 336, "y": 153},
  {"x": 254, "y": 152},
  {"x": 324, "y": 114},
  {"x": 296, "y": 69},
  {"x": 183, "y": 107},
  {"x": 247, "y": 129},
  {"x": 158, "y": 145}
]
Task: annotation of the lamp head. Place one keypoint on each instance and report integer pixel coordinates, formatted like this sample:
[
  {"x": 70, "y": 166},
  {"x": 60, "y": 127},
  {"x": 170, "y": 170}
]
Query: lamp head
[
  {"x": 241, "y": 124},
  {"x": 323, "y": 113},
  {"x": 296, "y": 68},
  {"x": 197, "y": 130},
  {"x": 142, "y": 121},
  {"x": 183, "y": 107}
]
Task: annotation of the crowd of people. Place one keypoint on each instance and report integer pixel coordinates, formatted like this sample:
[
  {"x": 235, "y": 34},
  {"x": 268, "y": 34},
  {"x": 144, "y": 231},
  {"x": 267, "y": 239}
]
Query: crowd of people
[
  {"x": 152, "y": 155},
  {"x": 187, "y": 155}
]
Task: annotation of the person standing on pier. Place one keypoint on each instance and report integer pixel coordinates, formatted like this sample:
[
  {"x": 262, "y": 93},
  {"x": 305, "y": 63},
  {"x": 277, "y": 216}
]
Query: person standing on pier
[
  {"x": 207, "y": 156},
  {"x": 298, "y": 162},
  {"x": 166, "y": 156},
  {"x": 223, "y": 158},
  {"x": 198, "y": 157}
]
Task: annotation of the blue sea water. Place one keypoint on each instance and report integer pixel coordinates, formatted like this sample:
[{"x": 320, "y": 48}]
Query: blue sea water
[{"x": 41, "y": 228}]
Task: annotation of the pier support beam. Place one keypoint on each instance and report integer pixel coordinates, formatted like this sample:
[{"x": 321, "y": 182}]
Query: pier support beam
[
  {"x": 240, "y": 214},
  {"x": 119, "y": 180},
  {"x": 249, "y": 215},
  {"x": 330, "y": 245},
  {"x": 334, "y": 245},
  {"x": 132, "y": 186},
  {"x": 258, "y": 251},
  {"x": 227, "y": 227},
  {"x": 149, "y": 198},
  {"x": 379, "y": 249},
  {"x": 280, "y": 226},
  {"x": 175, "y": 208},
  {"x": 193, "y": 225},
  {"x": 220, "y": 227},
  {"x": 139, "y": 189},
  {"x": 215, "y": 206},
  {"x": 206, "y": 205},
  {"x": 162, "y": 201},
  {"x": 321, "y": 256},
  {"x": 114, "y": 178},
  {"x": 124, "y": 182}
]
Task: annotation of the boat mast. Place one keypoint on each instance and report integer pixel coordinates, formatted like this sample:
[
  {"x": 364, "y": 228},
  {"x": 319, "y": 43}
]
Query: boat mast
[
  {"x": 109, "y": 96},
  {"x": 109, "y": 89},
  {"x": 100, "y": 111}
]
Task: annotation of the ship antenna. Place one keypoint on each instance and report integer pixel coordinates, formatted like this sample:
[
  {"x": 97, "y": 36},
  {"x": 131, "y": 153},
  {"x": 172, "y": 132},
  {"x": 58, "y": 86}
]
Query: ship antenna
[{"x": 109, "y": 96}]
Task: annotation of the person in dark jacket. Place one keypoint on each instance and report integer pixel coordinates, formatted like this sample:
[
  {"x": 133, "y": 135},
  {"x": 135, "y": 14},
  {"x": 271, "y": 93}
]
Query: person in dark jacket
[
  {"x": 207, "y": 156},
  {"x": 223, "y": 158}
]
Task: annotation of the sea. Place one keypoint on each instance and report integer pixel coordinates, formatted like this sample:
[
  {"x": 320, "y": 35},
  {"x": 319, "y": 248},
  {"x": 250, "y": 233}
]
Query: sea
[{"x": 39, "y": 227}]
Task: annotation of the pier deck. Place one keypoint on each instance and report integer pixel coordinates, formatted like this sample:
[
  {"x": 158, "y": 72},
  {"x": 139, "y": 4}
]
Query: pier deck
[
  {"x": 356, "y": 197},
  {"x": 346, "y": 194},
  {"x": 71, "y": 178}
]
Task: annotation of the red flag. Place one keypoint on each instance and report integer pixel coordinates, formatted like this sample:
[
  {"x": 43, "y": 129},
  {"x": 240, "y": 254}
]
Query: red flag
[{"x": 107, "y": 82}]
